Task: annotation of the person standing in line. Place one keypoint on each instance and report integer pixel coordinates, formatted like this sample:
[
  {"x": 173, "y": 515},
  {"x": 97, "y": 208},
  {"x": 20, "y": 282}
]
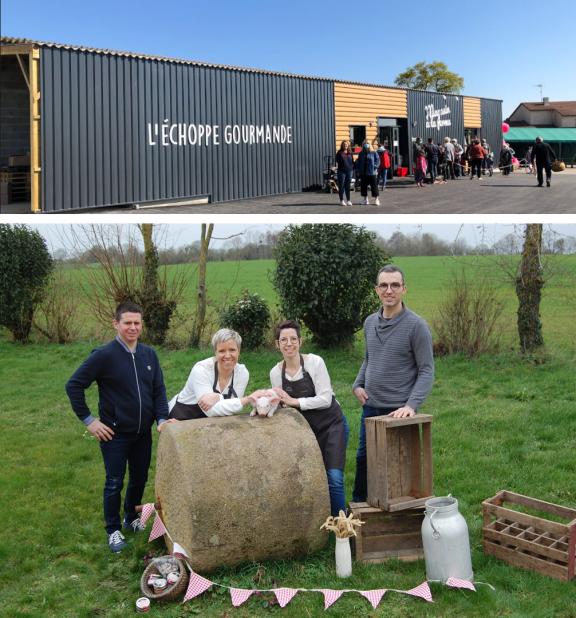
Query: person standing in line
[
  {"x": 131, "y": 396},
  {"x": 449, "y": 157},
  {"x": 432, "y": 156},
  {"x": 385, "y": 164},
  {"x": 419, "y": 158},
  {"x": 476, "y": 154},
  {"x": 367, "y": 167},
  {"x": 397, "y": 373},
  {"x": 505, "y": 163},
  {"x": 543, "y": 155},
  {"x": 458, "y": 152},
  {"x": 345, "y": 167}
]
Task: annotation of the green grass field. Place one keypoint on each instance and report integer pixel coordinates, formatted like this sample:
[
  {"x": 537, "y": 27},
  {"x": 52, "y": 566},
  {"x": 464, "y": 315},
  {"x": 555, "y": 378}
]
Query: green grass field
[{"x": 500, "y": 422}]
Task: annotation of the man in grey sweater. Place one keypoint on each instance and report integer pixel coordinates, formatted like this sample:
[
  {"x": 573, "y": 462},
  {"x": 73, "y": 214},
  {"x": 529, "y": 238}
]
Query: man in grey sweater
[{"x": 398, "y": 369}]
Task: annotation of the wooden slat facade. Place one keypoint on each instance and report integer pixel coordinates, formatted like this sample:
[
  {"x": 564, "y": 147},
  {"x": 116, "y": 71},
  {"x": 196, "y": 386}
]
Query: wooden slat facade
[
  {"x": 362, "y": 105},
  {"x": 472, "y": 113}
]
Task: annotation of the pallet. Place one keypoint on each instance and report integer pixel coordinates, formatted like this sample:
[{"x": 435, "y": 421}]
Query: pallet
[
  {"x": 386, "y": 536},
  {"x": 528, "y": 541},
  {"x": 399, "y": 453}
]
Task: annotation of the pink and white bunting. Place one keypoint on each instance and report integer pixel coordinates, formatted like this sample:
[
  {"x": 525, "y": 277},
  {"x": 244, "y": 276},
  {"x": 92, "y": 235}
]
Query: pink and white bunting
[
  {"x": 197, "y": 585},
  {"x": 422, "y": 591},
  {"x": 239, "y": 595},
  {"x": 284, "y": 595},
  {"x": 147, "y": 510},
  {"x": 331, "y": 596},
  {"x": 179, "y": 552},
  {"x": 158, "y": 529},
  {"x": 454, "y": 582},
  {"x": 374, "y": 596}
]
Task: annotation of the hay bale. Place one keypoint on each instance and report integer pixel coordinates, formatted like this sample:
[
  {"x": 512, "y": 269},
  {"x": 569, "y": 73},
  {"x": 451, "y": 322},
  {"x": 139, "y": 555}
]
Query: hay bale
[
  {"x": 236, "y": 489},
  {"x": 558, "y": 166}
]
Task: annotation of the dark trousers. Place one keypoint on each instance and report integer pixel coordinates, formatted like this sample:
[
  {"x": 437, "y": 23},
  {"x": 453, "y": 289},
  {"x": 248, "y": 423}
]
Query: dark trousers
[
  {"x": 476, "y": 167},
  {"x": 449, "y": 170},
  {"x": 540, "y": 167},
  {"x": 433, "y": 168},
  {"x": 136, "y": 451},
  {"x": 361, "y": 481},
  {"x": 368, "y": 180},
  {"x": 344, "y": 180}
]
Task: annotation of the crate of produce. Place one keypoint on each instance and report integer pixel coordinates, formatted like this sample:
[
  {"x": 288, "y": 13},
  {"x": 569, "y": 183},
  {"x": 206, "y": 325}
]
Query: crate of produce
[
  {"x": 536, "y": 542},
  {"x": 385, "y": 535},
  {"x": 399, "y": 454}
]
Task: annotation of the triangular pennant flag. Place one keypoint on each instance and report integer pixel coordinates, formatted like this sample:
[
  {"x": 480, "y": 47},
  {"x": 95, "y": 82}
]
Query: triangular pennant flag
[
  {"x": 284, "y": 595},
  {"x": 239, "y": 595},
  {"x": 197, "y": 585},
  {"x": 158, "y": 528},
  {"x": 374, "y": 596},
  {"x": 422, "y": 591},
  {"x": 147, "y": 511},
  {"x": 179, "y": 552},
  {"x": 331, "y": 596},
  {"x": 454, "y": 582}
]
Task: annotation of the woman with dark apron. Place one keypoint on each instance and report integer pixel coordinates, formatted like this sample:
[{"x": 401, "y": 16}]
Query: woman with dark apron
[
  {"x": 302, "y": 381},
  {"x": 216, "y": 385}
]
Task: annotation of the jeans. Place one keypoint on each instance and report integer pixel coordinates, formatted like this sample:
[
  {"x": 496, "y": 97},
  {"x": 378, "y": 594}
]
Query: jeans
[
  {"x": 383, "y": 176},
  {"x": 136, "y": 451},
  {"x": 450, "y": 170},
  {"x": 344, "y": 180},
  {"x": 433, "y": 168},
  {"x": 336, "y": 482},
  {"x": 361, "y": 481}
]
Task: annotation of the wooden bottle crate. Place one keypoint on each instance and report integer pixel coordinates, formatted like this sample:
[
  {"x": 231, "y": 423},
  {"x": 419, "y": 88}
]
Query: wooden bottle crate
[
  {"x": 399, "y": 453},
  {"x": 528, "y": 541},
  {"x": 387, "y": 535}
]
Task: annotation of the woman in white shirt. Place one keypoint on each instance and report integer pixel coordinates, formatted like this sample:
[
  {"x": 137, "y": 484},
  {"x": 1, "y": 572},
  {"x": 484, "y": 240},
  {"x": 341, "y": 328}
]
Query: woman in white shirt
[
  {"x": 302, "y": 381},
  {"x": 216, "y": 385}
]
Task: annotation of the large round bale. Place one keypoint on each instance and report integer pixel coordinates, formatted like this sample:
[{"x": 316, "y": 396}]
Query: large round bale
[{"x": 236, "y": 489}]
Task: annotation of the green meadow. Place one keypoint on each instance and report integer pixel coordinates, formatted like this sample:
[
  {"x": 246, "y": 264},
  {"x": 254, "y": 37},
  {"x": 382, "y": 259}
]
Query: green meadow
[{"x": 500, "y": 422}]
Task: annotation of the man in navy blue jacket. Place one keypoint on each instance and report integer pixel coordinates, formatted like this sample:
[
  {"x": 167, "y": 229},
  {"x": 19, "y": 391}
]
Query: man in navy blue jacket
[{"x": 131, "y": 396}]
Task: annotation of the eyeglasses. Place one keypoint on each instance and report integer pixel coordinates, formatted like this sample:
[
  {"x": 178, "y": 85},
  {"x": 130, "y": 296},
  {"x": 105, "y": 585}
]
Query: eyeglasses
[
  {"x": 394, "y": 286},
  {"x": 286, "y": 340}
]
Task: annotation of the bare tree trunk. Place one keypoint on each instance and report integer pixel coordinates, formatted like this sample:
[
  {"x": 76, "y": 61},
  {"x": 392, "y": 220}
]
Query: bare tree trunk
[
  {"x": 198, "y": 326},
  {"x": 529, "y": 283},
  {"x": 150, "y": 283}
]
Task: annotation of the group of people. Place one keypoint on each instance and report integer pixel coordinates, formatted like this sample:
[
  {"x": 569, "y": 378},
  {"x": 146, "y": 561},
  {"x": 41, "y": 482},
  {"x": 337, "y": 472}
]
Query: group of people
[{"x": 395, "y": 378}]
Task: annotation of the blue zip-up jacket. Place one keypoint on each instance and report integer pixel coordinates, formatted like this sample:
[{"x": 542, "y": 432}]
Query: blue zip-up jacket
[
  {"x": 131, "y": 391},
  {"x": 367, "y": 163}
]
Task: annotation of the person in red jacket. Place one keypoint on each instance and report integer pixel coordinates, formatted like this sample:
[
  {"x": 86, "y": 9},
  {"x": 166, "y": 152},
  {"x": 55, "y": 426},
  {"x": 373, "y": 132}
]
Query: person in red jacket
[{"x": 476, "y": 155}]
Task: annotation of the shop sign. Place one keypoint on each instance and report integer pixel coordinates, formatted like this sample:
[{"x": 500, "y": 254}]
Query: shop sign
[{"x": 436, "y": 118}]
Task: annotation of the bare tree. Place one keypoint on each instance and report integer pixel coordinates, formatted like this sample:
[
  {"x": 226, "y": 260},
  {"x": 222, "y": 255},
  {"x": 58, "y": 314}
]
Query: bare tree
[
  {"x": 529, "y": 284},
  {"x": 200, "y": 320}
]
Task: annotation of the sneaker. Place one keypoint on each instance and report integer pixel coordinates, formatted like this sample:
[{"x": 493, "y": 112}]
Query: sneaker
[
  {"x": 365, "y": 202},
  {"x": 116, "y": 542},
  {"x": 343, "y": 202},
  {"x": 377, "y": 202},
  {"x": 349, "y": 203},
  {"x": 135, "y": 525}
]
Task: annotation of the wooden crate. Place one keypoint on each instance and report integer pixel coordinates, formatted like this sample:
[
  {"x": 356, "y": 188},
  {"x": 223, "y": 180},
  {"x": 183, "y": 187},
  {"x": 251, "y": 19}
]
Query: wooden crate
[
  {"x": 387, "y": 535},
  {"x": 528, "y": 541},
  {"x": 399, "y": 453}
]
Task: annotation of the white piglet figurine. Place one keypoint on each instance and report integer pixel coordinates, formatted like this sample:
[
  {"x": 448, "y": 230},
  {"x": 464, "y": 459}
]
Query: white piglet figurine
[{"x": 266, "y": 404}]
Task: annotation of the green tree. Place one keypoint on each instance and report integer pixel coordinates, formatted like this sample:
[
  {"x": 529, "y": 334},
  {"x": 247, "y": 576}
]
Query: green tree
[
  {"x": 325, "y": 278},
  {"x": 25, "y": 268},
  {"x": 248, "y": 315},
  {"x": 433, "y": 76}
]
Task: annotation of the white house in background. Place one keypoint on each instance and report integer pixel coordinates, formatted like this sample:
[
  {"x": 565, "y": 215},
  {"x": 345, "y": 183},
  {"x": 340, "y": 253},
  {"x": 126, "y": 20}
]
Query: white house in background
[{"x": 546, "y": 113}]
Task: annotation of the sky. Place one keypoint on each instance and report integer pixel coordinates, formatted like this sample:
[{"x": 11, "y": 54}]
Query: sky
[
  {"x": 502, "y": 50},
  {"x": 176, "y": 235}
]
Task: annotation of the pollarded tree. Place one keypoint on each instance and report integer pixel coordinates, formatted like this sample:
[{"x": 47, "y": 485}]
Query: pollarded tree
[
  {"x": 325, "y": 278},
  {"x": 25, "y": 268}
]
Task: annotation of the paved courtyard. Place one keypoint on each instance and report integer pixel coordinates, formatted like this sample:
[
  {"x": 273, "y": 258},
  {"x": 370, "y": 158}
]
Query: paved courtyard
[{"x": 513, "y": 194}]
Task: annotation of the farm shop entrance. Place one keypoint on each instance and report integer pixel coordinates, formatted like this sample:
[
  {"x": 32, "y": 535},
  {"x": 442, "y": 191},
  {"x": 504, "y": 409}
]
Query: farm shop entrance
[
  {"x": 20, "y": 126},
  {"x": 394, "y": 131}
]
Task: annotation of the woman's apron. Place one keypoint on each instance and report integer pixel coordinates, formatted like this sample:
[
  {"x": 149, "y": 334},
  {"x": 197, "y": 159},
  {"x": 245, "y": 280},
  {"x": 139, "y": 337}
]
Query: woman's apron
[
  {"x": 187, "y": 411},
  {"x": 326, "y": 423}
]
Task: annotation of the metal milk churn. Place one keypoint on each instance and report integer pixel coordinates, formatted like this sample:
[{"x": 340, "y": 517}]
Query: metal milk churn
[{"x": 445, "y": 540}]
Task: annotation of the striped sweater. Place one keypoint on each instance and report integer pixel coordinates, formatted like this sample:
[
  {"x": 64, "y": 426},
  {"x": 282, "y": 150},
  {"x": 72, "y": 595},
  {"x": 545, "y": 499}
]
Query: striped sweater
[{"x": 398, "y": 367}]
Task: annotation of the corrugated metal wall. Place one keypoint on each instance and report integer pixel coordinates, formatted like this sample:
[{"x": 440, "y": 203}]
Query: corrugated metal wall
[
  {"x": 492, "y": 125},
  {"x": 97, "y": 111},
  {"x": 419, "y": 116}
]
